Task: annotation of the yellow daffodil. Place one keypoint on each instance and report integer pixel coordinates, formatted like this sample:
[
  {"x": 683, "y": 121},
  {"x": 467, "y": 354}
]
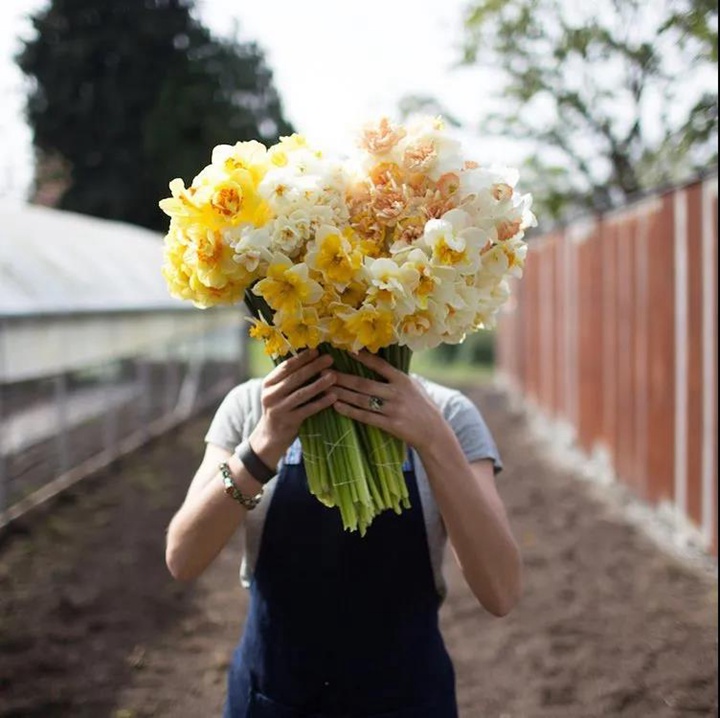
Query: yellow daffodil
[
  {"x": 335, "y": 328},
  {"x": 371, "y": 327},
  {"x": 276, "y": 345},
  {"x": 302, "y": 329},
  {"x": 287, "y": 287}
]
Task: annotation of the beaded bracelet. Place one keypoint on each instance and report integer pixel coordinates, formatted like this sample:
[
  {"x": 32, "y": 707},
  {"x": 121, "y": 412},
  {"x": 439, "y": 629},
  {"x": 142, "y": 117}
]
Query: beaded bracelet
[{"x": 249, "y": 502}]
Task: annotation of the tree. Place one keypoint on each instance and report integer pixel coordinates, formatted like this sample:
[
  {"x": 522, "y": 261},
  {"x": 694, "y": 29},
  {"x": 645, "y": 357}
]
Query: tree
[
  {"x": 611, "y": 97},
  {"x": 126, "y": 95}
]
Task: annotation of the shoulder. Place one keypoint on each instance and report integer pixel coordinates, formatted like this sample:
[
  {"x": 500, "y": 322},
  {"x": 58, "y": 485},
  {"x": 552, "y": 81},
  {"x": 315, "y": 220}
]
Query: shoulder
[
  {"x": 237, "y": 414},
  {"x": 466, "y": 421},
  {"x": 245, "y": 393},
  {"x": 244, "y": 401}
]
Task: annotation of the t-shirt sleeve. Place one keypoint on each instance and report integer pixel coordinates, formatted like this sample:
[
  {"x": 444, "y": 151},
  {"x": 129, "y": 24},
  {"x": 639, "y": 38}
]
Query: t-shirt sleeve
[
  {"x": 475, "y": 438},
  {"x": 227, "y": 426}
]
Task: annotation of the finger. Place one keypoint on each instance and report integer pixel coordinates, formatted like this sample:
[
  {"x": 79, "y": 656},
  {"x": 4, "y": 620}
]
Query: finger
[
  {"x": 313, "y": 407},
  {"x": 383, "y": 368},
  {"x": 306, "y": 393},
  {"x": 291, "y": 382},
  {"x": 361, "y": 401},
  {"x": 289, "y": 366},
  {"x": 372, "y": 418},
  {"x": 364, "y": 386}
]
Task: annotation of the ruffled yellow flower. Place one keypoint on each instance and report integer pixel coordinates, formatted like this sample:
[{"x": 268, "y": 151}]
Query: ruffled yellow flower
[
  {"x": 212, "y": 259},
  {"x": 216, "y": 205},
  {"x": 302, "y": 329},
  {"x": 354, "y": 294},
  {"x": 287, "y": 287},
  {"x": 335, "y": 329},
  {"x": 199, "y": 268},
  {"x": 174, "y": 270},
  {"x": 334, "y": 257},
  {"x": 249, "y": 157},
  {"x": 185, "y": 204},
  {"x": 370, "y": 327},
  {"x": 205, "y": 297}
]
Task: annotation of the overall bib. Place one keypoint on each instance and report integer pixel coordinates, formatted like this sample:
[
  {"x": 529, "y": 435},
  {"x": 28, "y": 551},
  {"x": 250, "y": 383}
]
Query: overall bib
[{"x": 340, "y": 626}]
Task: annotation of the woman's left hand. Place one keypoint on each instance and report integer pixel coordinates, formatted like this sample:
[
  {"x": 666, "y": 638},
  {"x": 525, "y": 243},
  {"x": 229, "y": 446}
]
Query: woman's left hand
[{"x": 398, "y": 405}]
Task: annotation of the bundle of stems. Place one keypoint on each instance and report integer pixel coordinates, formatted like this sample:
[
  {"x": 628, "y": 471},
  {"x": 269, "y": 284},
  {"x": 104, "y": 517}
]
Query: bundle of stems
[{"x": 353, "y": 467}]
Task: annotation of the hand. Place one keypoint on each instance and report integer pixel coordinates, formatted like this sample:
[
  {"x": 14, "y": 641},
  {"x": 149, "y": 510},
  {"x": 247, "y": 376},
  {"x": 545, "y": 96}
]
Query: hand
[
  {"x": 288, "y": 399},
  {"x": 407, "y": 412}
]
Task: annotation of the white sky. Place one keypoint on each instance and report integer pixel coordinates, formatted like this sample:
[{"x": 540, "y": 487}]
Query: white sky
[{"x": 336, "y": 64}]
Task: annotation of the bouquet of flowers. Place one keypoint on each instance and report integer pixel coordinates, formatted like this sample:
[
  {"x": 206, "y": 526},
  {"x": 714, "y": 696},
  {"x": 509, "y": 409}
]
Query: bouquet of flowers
[{"x": 400, "y": 247}]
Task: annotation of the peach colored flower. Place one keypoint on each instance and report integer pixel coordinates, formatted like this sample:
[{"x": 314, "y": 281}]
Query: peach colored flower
[
  {"x": 420, "y": 156},
  {"x": 389, "y": 204},
  {"x": 448, "y": 184},
  {"x": 502, "y": 192},
  {"x": 435, "y": 205},
  {"x": 470, "y": 165},
  {"x": 419, "y": 183},
  {"x": 381, "y": 138},
  {"x": 507, "y": 230},
  {"x": 367, "y": 226},
  {"x": 386, "y": 173},
  {"x": 357, "y": 199},
  {"x": 408, "y": 231}
]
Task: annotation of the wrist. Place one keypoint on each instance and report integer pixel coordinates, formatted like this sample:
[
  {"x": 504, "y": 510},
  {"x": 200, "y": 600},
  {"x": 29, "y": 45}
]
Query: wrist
[
  {"x": 266, "y": 445},
  {"x": 435, "y": 446},
  {"x": 244, "y": 480}
]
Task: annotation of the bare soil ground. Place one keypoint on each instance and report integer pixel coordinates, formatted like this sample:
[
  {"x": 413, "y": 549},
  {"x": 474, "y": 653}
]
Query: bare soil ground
[{"x": 92, "y": 626}]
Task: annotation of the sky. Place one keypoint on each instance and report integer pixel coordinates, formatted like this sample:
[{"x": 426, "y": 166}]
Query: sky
[{"x": 336, "y": 65}]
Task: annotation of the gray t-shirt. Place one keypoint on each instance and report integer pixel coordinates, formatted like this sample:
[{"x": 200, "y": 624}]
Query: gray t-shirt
[{"x": 241, "y": 410}]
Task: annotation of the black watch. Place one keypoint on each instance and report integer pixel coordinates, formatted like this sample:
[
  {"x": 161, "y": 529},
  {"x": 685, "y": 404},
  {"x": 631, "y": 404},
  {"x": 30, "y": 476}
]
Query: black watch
[{"x": 255, "y": 466}]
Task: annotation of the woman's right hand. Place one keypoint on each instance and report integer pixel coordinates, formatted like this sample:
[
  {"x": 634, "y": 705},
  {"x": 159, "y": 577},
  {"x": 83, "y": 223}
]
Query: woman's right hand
[{"x": 287, "y": 400}]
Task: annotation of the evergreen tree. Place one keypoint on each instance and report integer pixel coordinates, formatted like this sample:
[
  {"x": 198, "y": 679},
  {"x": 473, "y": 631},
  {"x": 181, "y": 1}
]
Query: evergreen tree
[{"x": 126, "y": 95}]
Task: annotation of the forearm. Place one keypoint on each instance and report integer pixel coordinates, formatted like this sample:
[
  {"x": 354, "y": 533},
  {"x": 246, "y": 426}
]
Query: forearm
[
  {"x": 476, "y": 523},
  {"x": 206, "y": 522}
]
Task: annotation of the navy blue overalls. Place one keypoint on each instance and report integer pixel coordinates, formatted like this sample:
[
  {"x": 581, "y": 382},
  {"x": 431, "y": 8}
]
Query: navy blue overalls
[{"x": 340, "y": 626}]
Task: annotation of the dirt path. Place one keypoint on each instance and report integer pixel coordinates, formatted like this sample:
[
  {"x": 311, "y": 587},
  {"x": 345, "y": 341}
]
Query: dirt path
[{"x": 91, "y": 625}]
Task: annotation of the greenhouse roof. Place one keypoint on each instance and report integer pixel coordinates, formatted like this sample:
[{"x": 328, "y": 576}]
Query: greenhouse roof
[{"x": 54, "y": 262}]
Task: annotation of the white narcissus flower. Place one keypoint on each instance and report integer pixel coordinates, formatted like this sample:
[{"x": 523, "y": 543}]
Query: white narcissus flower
[
  {"x": 460, "y": 313},
  {"x": 422, "y": 329},
  {"x": 454, "y": 241},
  {"x": 391, "y": 285},
  {"x": 435, "y": 282},
  {"x": 251, "y": 246},
  {"x": 291, "y": 232},
  {"x": 280, "y": 189},
  {"x": 505, "y": 259}
]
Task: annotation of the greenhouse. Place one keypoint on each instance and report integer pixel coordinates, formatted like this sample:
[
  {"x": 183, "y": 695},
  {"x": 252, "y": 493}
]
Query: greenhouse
[{"x": 95, "y": 355}]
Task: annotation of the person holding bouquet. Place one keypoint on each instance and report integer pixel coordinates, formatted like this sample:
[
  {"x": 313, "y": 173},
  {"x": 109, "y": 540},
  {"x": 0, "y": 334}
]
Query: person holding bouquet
[
  {"x": 340, "y": 624},
  {"x": 347, "y": 472}
]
